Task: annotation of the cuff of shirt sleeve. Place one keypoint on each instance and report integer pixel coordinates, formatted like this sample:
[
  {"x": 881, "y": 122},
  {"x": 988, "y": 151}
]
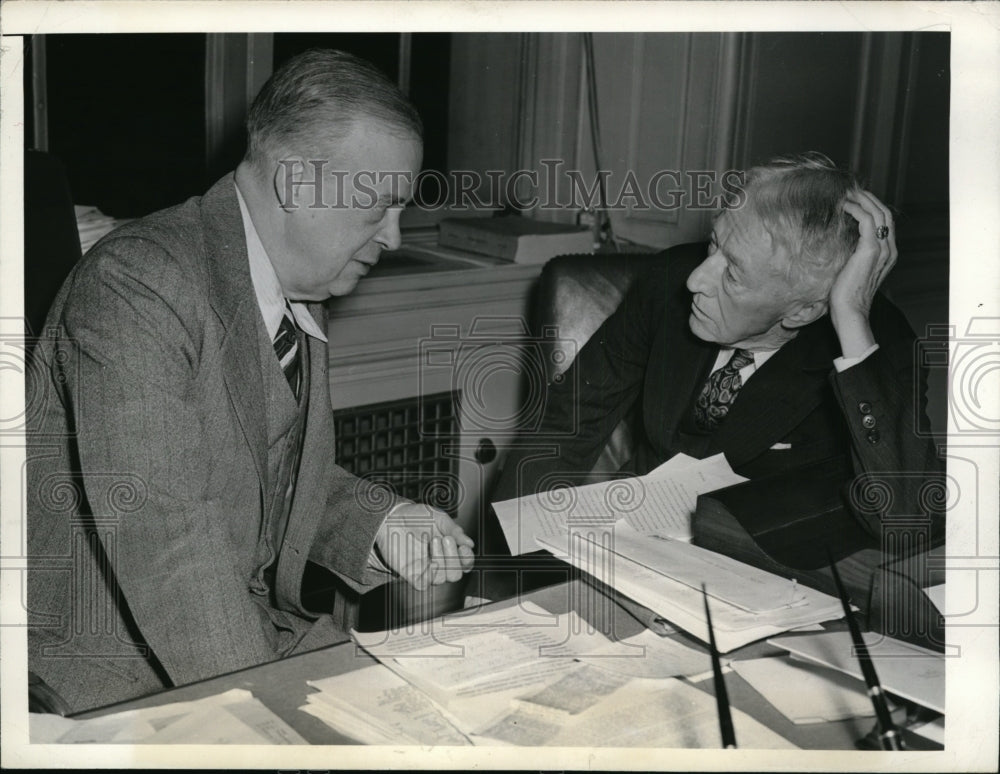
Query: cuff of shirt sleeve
[
  {"x": 375, "y": 562},
  {"x": 843, "y": 363}
]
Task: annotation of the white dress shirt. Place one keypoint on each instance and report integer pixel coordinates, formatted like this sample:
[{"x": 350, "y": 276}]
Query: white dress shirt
[
  {"x": 272, "y": 302},
  {"x": 759, "y": 358},
  {"x": 270, "y": 299}
]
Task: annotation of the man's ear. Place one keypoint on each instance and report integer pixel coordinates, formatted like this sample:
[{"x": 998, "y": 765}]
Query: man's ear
[
  {"x": 288, "y": 178},
  {"x": 804, "y": 313}
]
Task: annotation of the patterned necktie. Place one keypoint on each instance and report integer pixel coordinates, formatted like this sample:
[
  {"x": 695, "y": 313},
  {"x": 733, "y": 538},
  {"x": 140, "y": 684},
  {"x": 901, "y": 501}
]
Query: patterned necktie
[
  {"x": 720, "y": 391},
  {"x": 286, "y": 347}
]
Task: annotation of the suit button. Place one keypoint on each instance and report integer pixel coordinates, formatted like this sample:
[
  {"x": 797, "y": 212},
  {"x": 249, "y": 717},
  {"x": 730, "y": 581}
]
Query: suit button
[
  {"x": 865, "y": 407},
  {"x": 868, "y": 421},
  {"x": 873, "y": 437}
]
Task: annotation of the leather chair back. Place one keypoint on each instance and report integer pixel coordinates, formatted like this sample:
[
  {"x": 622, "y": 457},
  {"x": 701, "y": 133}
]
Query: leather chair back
[{"x": 575, "y": 294}]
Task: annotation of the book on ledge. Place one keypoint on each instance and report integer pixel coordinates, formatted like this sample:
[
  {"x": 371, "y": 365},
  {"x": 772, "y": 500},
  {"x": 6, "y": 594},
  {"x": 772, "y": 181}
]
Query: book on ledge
[{"x": 513, "y": 238}]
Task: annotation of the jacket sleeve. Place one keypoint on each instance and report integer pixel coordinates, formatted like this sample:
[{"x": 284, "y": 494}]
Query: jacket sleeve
[
  {"x": 134, "y": 360},
  {"x": 882, "y": 398},
  {"x": 355, "y": 510},
  {"x": 583, "y": 407}
]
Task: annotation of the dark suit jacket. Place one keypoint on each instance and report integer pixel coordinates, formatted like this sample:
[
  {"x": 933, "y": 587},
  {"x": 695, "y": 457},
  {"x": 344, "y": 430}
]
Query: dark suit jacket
[
  {"x": 645, "y": 352},
  {"x": 147, "y": 470}
]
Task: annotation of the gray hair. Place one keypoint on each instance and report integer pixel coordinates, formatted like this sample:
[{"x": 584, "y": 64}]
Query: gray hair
[
  {"x": 315, "y": 97},
  {"x": 799, "y": 200}
]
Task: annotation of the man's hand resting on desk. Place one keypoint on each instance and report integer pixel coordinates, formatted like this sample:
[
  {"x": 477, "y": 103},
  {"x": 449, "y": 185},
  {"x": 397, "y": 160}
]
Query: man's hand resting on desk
[{"x": 424, "y": 545}]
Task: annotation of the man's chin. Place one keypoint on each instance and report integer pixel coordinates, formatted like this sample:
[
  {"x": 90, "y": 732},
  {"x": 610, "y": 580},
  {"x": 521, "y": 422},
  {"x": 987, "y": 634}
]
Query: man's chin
[
  {"x": 698, "y": 329},
  {"x": 343, "y": 288}
]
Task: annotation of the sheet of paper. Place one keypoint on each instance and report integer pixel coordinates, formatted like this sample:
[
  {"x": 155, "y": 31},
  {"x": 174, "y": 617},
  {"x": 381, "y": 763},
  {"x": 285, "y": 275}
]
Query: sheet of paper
[
  {"x": 682, "y": 604},
  {"x": 642, "y": 713},
  {"x": 486, "y": 653},
  {"x": 668, "y": 503},
  {"x": 245, "y": 722},
  {"x": 660, "y": 502},
  {"x": 674, "y": 464},
  {"x": 578, "y": 690},
  {"x": 673, "y": 714},
  {"x": 51, "y": 729},
  {"x": 473, "y": 708},
  {"x": 232, "y": 717},
  {"x": 933, "y": 730},
  {"x": 525, "y": 623},
  {"x": 937, "y": 596},
  {"x": 809, "y": 628},
  {"x": 473, "y": 663},
  {"x": 804, "y": 693},
  {"x": 375, "y": 706},
  {"x": 739, "y": 584},
  {"x": 907, "y": 670},
  {"x": 648, "y": 655},
  {"x": 523, "y": 519}
]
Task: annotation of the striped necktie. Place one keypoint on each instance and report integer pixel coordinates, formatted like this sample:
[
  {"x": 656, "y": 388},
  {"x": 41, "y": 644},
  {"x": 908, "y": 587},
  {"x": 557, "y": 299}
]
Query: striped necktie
[
  {"x": 286, "y": 347},
  {"x": 720, "y": 391}
]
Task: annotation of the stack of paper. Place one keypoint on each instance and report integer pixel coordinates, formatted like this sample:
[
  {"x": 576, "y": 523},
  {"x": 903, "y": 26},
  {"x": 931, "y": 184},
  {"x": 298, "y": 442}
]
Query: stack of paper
[
  {"x": 233, "y": 717},
  {"x": 636, "y": 713},
  {"x": 472, "y": 665},
  {"x": 803, "y": 694},
  {"x": 906, "y": 670},
  {"x": 374, "y": 706},
  {"x": 666, "y": 576},
  {"x": 651, "y": 656},
  {"x": 581, "y": 706},
  {"x": 523, "y": 676},
  {"x": 661, "y": 502}
]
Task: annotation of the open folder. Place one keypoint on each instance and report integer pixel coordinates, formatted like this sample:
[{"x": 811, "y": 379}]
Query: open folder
[{"x": 666, "y": 575}]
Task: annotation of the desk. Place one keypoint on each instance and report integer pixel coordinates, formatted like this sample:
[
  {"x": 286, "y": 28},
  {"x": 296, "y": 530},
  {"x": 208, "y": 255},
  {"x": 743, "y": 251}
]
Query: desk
[{"x": 281, "y": 685}]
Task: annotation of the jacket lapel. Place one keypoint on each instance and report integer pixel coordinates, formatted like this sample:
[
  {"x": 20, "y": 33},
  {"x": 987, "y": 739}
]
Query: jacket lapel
[
  {"x": 681, "y": 362},
  {"x": 689, "y": 361},
  {"x": 234, "y": 301},
  {"x": 785, "y": 390}
]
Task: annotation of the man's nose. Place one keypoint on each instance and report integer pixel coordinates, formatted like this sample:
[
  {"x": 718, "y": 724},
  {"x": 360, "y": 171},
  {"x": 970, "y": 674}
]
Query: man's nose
[
  {"x": 700, "y": 280},
  {"x": 388, "y": 235}
]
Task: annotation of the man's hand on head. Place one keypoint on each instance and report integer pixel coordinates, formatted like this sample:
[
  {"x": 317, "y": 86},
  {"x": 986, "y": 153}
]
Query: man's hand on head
[
  {"x": 854, "y": 289},
  {"x": 424, "y": 545}
]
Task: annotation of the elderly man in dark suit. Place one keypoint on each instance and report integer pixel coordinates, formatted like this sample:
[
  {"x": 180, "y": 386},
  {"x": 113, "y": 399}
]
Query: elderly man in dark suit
[
  {"x": 181, "y": 458},
  {"x": 774, "y": 348}
]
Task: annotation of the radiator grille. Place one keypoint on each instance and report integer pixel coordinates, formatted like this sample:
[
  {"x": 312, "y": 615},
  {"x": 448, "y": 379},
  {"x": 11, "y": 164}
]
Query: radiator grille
[{"x": 401, "y": 443}]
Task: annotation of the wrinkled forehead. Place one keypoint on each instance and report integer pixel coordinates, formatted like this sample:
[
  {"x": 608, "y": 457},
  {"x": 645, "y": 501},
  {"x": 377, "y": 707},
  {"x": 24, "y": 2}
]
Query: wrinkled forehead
[
  {"x": 744, "y": 233},
  {"x": 760, "y": 258}
]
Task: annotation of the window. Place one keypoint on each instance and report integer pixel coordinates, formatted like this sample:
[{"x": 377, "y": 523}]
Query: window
[
  {"x": 129, "y": 116},
  {"x": 126, "y": 115}
]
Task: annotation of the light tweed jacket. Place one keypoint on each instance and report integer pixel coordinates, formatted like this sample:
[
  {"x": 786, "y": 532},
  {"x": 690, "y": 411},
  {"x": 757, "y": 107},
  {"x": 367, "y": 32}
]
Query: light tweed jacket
[{"x": 147, "y": 475}]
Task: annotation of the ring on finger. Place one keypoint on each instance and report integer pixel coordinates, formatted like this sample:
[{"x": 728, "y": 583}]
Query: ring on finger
[{"x": 881, "y": 232}]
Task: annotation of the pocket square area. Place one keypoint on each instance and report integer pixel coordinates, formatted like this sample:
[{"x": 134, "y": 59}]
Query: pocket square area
[{"x": 781, "y": 446}]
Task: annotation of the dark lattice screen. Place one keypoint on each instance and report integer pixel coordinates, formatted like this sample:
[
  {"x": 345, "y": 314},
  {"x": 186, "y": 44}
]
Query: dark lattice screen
[{"x": 401, "y": 443}]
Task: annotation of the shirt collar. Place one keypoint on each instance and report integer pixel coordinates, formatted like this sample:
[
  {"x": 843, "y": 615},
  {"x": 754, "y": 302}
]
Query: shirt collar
[
  {"x": 759, "y": 358},
  {"x": 270, "y": 299}
]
